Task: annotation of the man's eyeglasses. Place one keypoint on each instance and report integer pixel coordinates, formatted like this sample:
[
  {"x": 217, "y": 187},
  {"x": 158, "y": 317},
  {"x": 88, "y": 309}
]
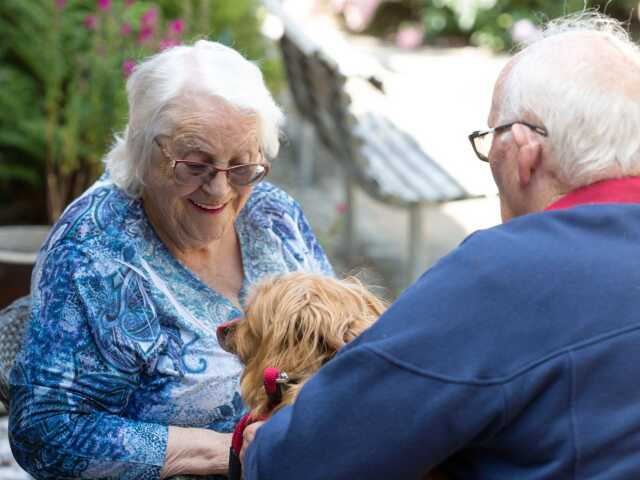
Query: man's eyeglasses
[
  {"x": 191, "y": 173},
  {"x": 481, "y": 140}
]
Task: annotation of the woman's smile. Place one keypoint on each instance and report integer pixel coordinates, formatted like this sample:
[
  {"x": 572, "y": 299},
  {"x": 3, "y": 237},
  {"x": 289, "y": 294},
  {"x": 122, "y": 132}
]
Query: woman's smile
[{"x": 208, "y": 208}]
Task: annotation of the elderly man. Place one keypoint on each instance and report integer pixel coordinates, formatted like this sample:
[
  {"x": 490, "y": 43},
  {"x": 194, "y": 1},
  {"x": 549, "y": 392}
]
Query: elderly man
[{"x": 517, "y": 356}]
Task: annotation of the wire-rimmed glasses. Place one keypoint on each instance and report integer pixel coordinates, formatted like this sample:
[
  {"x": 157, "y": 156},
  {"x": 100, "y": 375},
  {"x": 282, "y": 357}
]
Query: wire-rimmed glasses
[
  {"x": 481, "y": 140},
  {"x": 192, "y": 173}
]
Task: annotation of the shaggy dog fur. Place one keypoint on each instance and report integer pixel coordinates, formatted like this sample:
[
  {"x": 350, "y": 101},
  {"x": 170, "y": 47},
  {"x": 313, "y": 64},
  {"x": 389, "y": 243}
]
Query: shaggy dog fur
[{"x": 296, "y": 323}]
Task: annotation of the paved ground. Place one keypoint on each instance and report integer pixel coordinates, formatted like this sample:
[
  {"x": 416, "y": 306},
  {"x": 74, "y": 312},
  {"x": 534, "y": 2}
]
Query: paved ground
[{"x": 441, "y": 95}]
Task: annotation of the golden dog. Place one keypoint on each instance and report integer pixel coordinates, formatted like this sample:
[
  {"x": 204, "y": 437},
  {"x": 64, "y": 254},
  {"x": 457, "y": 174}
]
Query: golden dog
[{"x": 296, "y": 323}]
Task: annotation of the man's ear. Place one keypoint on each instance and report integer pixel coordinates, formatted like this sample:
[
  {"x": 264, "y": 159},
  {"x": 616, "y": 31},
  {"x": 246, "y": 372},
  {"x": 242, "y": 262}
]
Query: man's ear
[{"x": 529, "y": 156}]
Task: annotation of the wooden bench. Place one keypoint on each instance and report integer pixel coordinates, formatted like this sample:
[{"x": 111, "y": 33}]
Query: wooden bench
[{"x": 350, "y": 115}]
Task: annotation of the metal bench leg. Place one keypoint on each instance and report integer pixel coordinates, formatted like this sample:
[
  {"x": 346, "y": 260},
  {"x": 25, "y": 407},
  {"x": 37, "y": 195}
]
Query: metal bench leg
[
  {"x": 350, "y": 220},
  {"x": 306, "y": 152},
  {"x": 413, "y": 269}
]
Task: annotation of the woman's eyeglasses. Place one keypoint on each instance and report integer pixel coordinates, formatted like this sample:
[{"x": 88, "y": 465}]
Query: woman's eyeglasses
[
  {"x": 481, "y": 140},
  {"x": 187, "y": 172}
]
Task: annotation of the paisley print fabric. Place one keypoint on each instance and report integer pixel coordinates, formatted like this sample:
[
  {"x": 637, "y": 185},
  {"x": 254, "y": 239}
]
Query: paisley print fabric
[{"x": 121, "y": 340}]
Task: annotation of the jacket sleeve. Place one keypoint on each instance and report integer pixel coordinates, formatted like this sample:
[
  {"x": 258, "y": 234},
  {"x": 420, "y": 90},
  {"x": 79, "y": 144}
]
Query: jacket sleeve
[
  {"x": 90, "y": 340},
  {"x": 365, "y": 415}
]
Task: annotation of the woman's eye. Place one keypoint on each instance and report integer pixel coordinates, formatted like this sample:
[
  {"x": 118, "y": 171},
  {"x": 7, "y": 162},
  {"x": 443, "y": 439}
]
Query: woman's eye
[{"x": 196, "y": 168}]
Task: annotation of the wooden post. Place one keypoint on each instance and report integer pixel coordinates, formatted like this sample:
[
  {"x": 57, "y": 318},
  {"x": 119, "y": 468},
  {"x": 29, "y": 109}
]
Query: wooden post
[
  {"x": 413, "y": 269},
  {"x": 306, "y": 152},
  {"x": 350, "y": 220}
]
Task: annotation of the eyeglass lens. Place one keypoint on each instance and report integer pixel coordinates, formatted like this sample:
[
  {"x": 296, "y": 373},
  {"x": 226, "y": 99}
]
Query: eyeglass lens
[
  {"x": 483, "y": 144},
  {"x": 195, "y": 173}
]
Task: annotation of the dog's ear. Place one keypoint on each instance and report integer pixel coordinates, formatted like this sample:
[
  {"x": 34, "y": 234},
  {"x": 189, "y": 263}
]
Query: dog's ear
[{"x": 226, "y": 334}]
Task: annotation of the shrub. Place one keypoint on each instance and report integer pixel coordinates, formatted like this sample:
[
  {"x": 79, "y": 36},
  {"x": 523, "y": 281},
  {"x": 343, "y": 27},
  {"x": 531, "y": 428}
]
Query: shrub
[
  {"x": 498, "y": 24},
  {"x": 62, "y": 69},
  {"x": 489, "y": 23}
]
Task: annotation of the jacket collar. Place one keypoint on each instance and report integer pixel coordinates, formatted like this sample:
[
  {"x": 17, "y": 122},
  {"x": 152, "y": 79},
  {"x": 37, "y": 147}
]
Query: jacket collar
[{"x": 619, "y": 190}]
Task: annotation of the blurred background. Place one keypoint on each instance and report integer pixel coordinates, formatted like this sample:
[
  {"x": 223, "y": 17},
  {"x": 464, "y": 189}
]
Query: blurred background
[{"x": 63, "y": 65}]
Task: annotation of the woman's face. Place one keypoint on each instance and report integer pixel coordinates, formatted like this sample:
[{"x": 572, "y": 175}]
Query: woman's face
[{"x": 211, "y": 131}]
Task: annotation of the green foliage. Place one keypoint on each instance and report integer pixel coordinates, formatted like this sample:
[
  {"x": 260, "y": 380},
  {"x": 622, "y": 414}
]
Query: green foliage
[
  {"x": 63, "y": 65},
  {"x": 490, "y": 23}
]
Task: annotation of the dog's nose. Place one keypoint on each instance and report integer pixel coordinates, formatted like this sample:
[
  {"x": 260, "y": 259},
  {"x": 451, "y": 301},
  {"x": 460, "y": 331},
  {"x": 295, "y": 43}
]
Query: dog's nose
[{"x": 224, "y": 332}]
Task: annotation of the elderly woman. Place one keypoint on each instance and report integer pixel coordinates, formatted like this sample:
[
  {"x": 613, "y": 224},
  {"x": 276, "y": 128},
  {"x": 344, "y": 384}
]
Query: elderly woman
[{"x": 121, "y": 375}]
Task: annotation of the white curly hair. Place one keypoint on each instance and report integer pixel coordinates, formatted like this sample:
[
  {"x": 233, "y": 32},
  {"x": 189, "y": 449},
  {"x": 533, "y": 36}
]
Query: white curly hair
[
  {"x": 204, "y": 68},
  {"x": 580, "y": 78}
]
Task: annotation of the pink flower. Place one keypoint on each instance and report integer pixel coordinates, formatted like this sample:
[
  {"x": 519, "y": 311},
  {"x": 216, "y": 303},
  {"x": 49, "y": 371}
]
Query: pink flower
[
  {"x": 168, "y": 43},
  {"x": 127, "y": 67},
  {"x": 338, "y": 5},
  {"x": 104, "y": 5},
  {"x": 125, "y": 29},
  {"x": 91, "y": 22},
  {"x": 524, "y": 31},
  {"x": 146, "y": 33},
  {"x": 60, "y": 4},
  {"x": 341, "y": 208},
  {"x": 148, "y": 25},
  {"x": 176, "y": 26},
  {"x": 150, "y": 18},
  {"x": 410, "y": 36},
  {"x": 358, "y": 14}
]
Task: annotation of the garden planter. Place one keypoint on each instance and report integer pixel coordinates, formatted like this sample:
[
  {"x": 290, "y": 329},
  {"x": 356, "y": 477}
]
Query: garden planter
[{"x": 19, "y": 246}]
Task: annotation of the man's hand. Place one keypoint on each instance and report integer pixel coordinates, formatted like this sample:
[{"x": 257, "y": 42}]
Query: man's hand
[{"x": 247, "y": 437}]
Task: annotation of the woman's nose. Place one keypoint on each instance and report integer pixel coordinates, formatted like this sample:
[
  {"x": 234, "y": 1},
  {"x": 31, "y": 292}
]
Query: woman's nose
[{"x": 218, "y": 185}]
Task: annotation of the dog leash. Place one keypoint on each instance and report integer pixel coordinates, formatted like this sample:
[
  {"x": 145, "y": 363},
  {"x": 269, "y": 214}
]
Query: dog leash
[{"x": 274, "y": 381}]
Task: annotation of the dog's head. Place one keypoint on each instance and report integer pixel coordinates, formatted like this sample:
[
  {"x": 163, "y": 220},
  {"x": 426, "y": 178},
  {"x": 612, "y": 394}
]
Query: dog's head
[{"x": 296, "y": 323}]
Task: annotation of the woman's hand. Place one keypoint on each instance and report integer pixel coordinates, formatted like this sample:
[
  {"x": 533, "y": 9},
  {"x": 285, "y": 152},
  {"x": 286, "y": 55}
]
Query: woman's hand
[
  {"x": 247, "y": 437},
  {"x": 196, "y": 451}
]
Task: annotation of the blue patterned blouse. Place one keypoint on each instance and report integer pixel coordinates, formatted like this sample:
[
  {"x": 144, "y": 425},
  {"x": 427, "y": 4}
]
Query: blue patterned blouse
[{"x": 122, "y": 339}]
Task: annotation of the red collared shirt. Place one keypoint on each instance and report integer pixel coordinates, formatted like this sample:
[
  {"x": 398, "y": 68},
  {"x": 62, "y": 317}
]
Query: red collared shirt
[{"x": 618, "y": 190}]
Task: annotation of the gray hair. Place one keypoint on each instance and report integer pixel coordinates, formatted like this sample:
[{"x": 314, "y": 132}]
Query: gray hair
[
  {"x": 561, "y": 81},
  {"x": 205, "y": 67}
]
